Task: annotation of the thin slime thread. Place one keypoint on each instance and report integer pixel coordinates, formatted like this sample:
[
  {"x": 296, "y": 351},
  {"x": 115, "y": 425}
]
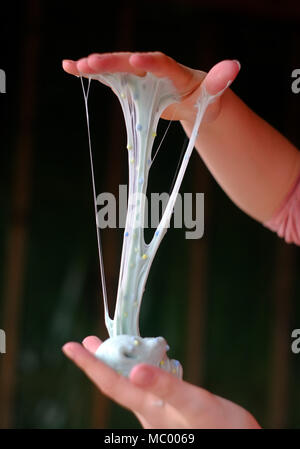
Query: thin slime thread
[
  {"x": 184, "y": 147},
  {"x": 101, "y": 264},
  {"x": 165, "y": 133}
]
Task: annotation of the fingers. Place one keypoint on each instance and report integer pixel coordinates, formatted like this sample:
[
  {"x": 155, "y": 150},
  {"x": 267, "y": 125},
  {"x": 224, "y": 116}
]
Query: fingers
[
  {"x": 101, "y": 63},
  {"x": 181, "y": 395},
  {"x": 91, "y": 343},
  {"x": 113, "y": 62},
  {"x": 161, "y": 65},
  {"x": 70, "y": 66},
  {"x": 117, "y": 387},
  {"x": 221, "y": 75},
  {"x": 112, "y": 384}
]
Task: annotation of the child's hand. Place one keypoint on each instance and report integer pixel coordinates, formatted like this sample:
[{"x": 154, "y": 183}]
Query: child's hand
[
  {"x": 187, "y": 81},
  {"x": 157, "y": 398}
]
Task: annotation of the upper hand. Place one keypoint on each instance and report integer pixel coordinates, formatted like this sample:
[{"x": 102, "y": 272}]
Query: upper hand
[{"x": 186, "y": 80}]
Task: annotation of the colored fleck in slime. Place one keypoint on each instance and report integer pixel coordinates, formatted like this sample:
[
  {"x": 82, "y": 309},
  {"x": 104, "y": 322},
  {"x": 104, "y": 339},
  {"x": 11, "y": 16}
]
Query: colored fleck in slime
[{"x": 143, "y": 99}]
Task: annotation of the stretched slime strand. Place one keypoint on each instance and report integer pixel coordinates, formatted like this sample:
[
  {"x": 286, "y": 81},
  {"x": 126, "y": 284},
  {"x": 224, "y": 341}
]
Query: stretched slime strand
[{"x": 143, "y": 99}]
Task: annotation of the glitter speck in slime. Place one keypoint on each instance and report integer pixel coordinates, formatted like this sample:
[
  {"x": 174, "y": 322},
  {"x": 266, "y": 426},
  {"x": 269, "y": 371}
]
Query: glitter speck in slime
[{"x": 143, "y": 99}]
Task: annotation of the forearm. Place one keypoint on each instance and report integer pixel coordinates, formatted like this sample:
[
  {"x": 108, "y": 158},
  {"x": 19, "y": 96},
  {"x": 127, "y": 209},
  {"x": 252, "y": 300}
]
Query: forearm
[{"x": 254, "y": 164}]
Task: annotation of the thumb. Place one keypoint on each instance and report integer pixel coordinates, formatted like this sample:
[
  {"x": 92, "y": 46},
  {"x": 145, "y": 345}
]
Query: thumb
[
  {"x": 178, "y": 393},
  {"x": 221, "y": 76}
]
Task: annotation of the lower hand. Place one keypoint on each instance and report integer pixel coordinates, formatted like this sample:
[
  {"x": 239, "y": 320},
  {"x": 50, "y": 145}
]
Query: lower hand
[{"x": 156, "y": 397}]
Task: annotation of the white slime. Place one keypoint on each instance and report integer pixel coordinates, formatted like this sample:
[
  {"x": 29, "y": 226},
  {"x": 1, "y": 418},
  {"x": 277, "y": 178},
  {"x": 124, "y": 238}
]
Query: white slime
[{"x": 143, "y": 99}]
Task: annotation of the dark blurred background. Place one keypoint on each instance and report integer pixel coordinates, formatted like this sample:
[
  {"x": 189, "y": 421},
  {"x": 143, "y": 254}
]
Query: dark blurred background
[{"x": 226, "y": 303}]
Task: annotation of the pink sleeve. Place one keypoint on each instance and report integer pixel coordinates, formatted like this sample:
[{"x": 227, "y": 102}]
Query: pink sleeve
[{"x": 286, "y": 220}]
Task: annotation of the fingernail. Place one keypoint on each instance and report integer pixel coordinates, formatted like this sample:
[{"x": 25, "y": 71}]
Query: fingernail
[
  {"x": 144, "y": 377},
  {"x": 238, "y": 63},
  {"x": 67, "y": 350}
]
